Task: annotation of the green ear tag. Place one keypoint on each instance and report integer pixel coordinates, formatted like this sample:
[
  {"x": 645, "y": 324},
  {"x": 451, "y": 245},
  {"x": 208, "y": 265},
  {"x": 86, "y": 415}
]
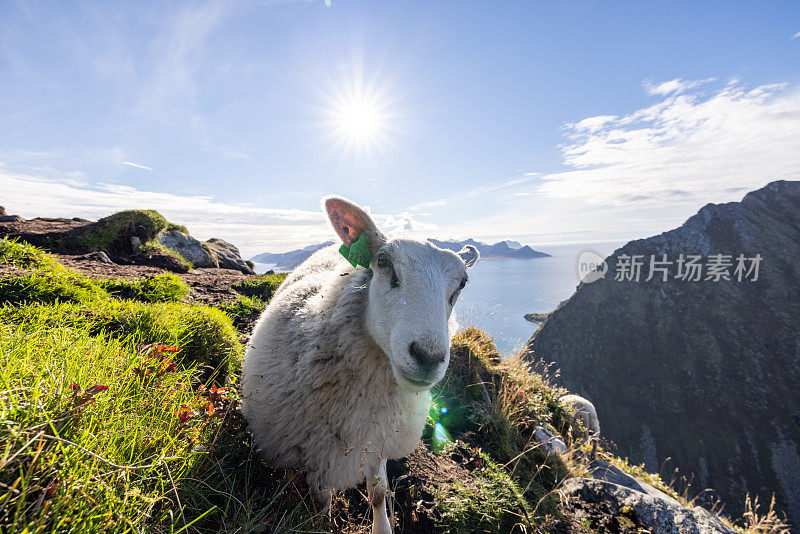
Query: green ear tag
[
  {"x": 359, "y": 253},
  {"x": 344, "y": 250}
]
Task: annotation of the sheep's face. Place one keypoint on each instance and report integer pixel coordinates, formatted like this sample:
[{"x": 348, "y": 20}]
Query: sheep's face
[{"x": 413, "y": 289}]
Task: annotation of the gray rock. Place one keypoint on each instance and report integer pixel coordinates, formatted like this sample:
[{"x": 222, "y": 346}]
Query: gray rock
[
  {"x": 136, "y": 243},
  {"x": 656, "y": 514},
  {"x": 190, "y": 248},
  {"x": 552, "y": 443},
  {"x": 11, "y": 218},
  {"x": 603, "y": 470},
  {"x": 228, "y": 256},
  {"x": 100, "y": 256},
  {"x": 2, "y": 211}
]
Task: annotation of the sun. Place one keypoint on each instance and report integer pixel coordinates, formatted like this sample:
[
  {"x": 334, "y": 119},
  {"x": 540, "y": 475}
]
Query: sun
[
  {"x": 360, "y": 116},
  {"x": 359, "y": 120}
]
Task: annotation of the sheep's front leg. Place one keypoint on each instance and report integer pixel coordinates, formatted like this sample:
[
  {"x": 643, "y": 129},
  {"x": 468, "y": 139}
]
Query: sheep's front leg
[{"x": 377, "y": 489}]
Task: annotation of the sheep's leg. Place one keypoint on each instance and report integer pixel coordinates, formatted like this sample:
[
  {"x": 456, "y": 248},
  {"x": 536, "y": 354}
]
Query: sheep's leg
[
  {"x": 322, "y": 500},
  {"x": 377, "y": 489}
]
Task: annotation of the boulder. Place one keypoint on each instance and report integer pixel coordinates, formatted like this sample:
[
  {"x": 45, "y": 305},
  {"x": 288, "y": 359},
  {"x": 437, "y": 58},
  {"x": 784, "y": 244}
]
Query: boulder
[
  {"x": 2, "y": 211},
  {"x": 228, "y": 256},
  {"x": 187, "y": 246},
  {"x": 549, "y": 440},
  {"x": 655, "y": 514}
]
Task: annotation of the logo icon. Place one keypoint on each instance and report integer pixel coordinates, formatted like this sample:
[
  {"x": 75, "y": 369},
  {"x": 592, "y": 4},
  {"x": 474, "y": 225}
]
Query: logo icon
[{"x": 591, "y": 267}]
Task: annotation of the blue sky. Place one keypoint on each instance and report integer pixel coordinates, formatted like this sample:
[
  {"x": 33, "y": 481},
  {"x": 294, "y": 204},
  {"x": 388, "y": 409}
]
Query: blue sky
[{"x": 539, "y": 121}]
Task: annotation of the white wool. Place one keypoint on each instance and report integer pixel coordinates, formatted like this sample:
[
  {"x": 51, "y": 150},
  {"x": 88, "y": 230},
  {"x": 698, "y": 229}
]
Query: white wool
[{"x": 585, "y": 412}]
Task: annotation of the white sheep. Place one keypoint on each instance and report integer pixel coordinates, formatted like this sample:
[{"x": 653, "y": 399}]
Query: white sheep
[
  {"x": 585, "y": 413},
  {"x": 337, "y": 373}
]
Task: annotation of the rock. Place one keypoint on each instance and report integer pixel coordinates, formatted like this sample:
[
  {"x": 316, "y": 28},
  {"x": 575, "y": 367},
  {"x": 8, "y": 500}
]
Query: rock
[
  {"x": 100, "y": 256},
  {"x": 80, "y": 219},
  {"x": 2, "y": 211},
  {"x": 603, "y": 470},
  {"x": 549, "y": 441},
  {"x": 270, "y": 272},
  {"x": 228, "y": 256},
  {"x": 136, "y": 243},
  {"x": 187, "y": 246},
  {"x": 703, "y": 372},
  {"x": 11, "y": 218},
  {"x": 657, "y": 515},
  {"x": 536, "y": 318}
]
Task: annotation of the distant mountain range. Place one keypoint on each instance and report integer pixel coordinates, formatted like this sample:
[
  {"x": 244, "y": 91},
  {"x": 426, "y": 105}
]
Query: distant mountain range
[{"x": 504, "y": 249}]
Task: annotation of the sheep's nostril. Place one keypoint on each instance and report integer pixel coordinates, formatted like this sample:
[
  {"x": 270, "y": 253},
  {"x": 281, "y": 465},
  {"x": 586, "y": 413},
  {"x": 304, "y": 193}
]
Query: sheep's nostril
[{"x": 423, "y": 357}]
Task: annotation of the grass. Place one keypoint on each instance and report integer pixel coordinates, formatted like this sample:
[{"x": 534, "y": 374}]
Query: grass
[
  {"x": 262, "y": 287},
  {"x": 109, "y": 420},
  {"x": 492, "y": 503},
  {"x": 244, "y": 311}
]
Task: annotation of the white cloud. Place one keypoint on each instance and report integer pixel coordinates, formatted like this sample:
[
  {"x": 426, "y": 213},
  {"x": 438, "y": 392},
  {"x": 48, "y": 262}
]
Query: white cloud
[
  {"x": 138, "y": 166},
  {"x": 796, "y": 36},
  {"x": 686, "y": 148},
  {"x": 252, "y": 229},
  {"x": 675, "y": 86}
]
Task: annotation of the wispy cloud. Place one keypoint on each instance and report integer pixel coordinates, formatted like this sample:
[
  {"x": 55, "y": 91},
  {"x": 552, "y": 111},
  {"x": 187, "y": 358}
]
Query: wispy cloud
[
  {"x": 474, "y": 192},
  {"x": 688, "y": 147},
  {"x": 796, "y": 36},
  {"x": 675, "y": 86},
  {"x": 138, "y": 166}
]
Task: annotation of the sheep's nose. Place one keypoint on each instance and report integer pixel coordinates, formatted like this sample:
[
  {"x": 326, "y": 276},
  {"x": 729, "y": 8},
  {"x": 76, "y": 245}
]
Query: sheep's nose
[{"x": 425, "y": 359}]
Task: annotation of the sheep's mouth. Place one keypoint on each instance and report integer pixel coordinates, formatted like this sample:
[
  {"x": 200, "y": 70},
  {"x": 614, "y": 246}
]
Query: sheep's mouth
[{"x": 417, "y": 383}]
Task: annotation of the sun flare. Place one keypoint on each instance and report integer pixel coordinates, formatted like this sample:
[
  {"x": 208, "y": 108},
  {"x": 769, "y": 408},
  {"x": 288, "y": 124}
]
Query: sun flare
[{"x": 360, "y": 117}]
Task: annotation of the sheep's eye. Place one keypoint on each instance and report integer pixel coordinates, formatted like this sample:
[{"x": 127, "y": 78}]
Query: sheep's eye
[
  {"x": 383, "y": 261},
  {"x": 395, "y": 281},
  {"x": 454, "y": 296}
]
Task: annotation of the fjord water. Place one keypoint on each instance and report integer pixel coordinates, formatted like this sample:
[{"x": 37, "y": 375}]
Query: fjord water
[{"x": 501, "y": 292}]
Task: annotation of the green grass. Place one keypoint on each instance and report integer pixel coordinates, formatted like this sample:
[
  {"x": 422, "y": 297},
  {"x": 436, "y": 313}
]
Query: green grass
[
  {"x": 262, "y": 287},
  {"x": 493, "y": 503},
  {"x": 244, "y": 311},
  {"x": 155, "y": 451}
]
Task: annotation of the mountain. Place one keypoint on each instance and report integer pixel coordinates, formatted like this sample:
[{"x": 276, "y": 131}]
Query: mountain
[
  {"x": 289, "y": 260},
  {"x": 703, "y": 372},
  {"x": 503, "y": 249}
]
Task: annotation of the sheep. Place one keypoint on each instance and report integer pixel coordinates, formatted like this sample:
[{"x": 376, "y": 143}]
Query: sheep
[
  {"x": 338, "y": 371},
  {"x": 585, "y": 413}
]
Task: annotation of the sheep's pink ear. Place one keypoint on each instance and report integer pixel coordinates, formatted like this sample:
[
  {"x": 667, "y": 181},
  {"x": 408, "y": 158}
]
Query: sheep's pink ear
[{"x": 350, "y": 221}]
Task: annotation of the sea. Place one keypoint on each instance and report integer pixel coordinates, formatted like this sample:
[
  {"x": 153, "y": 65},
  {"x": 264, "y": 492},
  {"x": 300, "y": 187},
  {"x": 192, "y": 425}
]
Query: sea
[{"x": 500, "y": 292}]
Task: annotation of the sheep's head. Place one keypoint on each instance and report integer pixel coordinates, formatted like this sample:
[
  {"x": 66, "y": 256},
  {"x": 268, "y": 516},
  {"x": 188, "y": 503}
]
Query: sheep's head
[{"x": 412, "y": 291}]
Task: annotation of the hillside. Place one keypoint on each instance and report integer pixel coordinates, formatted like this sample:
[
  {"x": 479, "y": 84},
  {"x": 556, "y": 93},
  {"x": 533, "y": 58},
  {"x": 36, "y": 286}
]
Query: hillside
[
  {"x": 119, "y": 390},
  {"x": 704, "y": 373}
]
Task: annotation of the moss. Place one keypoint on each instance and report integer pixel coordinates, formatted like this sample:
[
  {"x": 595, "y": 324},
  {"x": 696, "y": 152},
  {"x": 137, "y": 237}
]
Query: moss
[
  {"x": 113, "y": 233},
  {"x": 250, "y": 264},
  {"x": 263, "y": 286},
  {"x": 492, "y": 503}
]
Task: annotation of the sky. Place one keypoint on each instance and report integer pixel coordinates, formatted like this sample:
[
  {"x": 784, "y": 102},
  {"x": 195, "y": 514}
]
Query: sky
[{"x": 543, "y": 122}]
